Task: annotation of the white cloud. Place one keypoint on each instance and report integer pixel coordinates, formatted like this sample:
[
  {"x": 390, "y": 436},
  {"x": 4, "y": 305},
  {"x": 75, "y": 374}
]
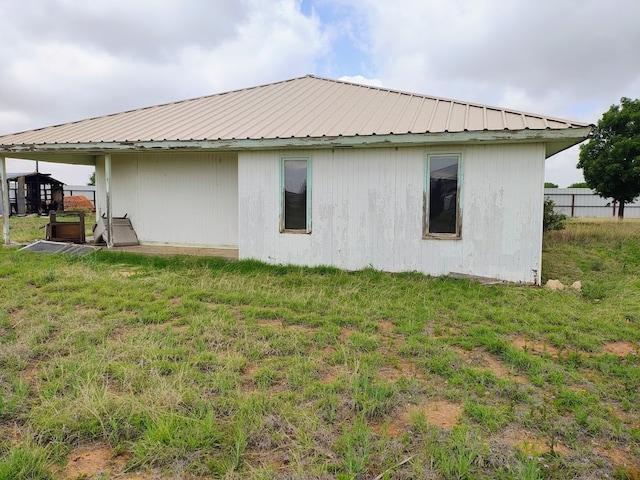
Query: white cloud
[
  {"x": 374, "y": 82},
  {"x": 273, "y": 44},
  {"x": 477, "y": 51}
]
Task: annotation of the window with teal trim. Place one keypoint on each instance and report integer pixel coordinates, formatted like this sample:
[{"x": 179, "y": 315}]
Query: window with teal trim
[
  {"x": 296, "y": 195},
  {"x": 442, "y": 196}
]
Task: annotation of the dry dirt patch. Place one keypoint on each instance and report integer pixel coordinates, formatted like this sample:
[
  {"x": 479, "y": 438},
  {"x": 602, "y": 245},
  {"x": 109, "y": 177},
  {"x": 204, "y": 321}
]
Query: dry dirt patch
[
  {"x": 15, "y": 316},
  {"x": 84, "y": 310},
  {"x": 439, "y": 413},
  {"x": 386, "y": 327},
  {"x": 489, "y": 362},
  {"x": 12, "y": 433},
  {"x": 30, "y": 374},
  {"x": 443, "y": 331},
  {"x": 251, "y": 370},
  {"x": 332, "y": 373},
  {"x": 621, "y": 349},
  {"x": 273, "y": 459},
  {"x": 98, "y": 461},
  {"x": 528, "y": 443},
  {"x": 346, "y": 332},
  {"x": 499, "y": 369},
  {"x": 401, "y": 367},
  {"x": 621, "y": 414},
  {"x": 120, "y": 334},
  {"x": 178, "y": 327},
  {"x": 624, "y": 459},
  {"x": 391, "y": 374},
  {"x": 267, "y": 322},
  {"x": 91, "y": 461},
  {"x": 393, "y": 428}
]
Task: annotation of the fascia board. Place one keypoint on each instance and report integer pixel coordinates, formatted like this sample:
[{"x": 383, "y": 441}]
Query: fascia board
[{"x": 570, "y": 137}]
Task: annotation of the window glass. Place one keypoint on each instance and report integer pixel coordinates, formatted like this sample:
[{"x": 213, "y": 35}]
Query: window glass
[
  {"x": 295, "y": 179},
  {"x": 443, "y": 210}
]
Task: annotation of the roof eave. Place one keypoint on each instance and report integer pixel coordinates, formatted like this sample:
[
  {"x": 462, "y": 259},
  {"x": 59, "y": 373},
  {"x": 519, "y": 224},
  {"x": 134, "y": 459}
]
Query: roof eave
[{"x": 83, "y": 152}]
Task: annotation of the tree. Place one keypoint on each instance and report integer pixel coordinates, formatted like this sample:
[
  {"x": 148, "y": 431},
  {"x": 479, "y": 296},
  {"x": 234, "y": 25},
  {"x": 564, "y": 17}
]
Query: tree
[
  {"x": 579, "y": 185},
  {"x": 92, "y": 179},
  {"x": 550, "y": 185},
  {"x": 610, "y": 160},
  {"x": 552, "y": 220}
]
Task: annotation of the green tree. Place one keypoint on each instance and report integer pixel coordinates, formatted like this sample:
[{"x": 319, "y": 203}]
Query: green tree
[
  {"x": 552, "y": 220},
  {"x": 610, "y": 160},
  {"x": 550, "y": 185},
  {"x": 579, "y": 185},
  {"x": 92, "y": 179}
]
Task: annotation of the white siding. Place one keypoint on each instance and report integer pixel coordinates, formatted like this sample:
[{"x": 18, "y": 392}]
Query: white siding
[
  {"x": 186, "y": 199},
  {"x": 367, "y": 211}
]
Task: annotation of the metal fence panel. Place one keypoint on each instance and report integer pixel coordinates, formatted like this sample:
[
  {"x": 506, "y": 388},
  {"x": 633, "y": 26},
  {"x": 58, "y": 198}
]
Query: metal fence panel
[{"x": 584, "y": 202}]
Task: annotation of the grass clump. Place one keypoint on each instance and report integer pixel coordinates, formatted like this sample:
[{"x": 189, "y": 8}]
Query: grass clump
[
  {"x": 26, "y": 462},
  {"x": 206, "y": 368}
]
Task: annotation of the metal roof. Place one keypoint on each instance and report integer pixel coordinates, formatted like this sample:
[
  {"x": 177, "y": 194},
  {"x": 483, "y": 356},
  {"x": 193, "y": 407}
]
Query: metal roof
[
  {"x": 305, "y": 107},
  {"x": 45, "y": 177},
  {"x": 45, "y": 246}
]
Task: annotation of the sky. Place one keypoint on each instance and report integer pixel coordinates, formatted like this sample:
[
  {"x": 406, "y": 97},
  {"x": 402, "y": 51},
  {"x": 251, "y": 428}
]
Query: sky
[{"x": 66, "y": 60}]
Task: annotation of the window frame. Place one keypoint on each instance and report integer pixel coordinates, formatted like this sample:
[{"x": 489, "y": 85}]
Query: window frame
[
  {"x": 283, "y": 160},
  {"x": 426, "y": 234}
]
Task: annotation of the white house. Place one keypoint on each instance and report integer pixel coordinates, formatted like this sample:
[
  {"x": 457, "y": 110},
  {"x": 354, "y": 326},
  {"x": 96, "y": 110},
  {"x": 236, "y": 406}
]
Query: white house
[{"x": 312, "y": 171}]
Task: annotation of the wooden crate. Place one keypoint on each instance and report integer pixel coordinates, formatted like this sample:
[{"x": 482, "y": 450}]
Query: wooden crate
[{"x": 59, "y": 230}]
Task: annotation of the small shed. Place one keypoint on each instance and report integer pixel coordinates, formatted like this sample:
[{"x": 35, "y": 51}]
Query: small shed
[{"x": 34, "y": 192}]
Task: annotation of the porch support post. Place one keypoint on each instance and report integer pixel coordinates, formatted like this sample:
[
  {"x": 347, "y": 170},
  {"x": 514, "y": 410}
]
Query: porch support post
[
  {"x": 6, "y": 207},
  {"x": 107, "y": 181}
]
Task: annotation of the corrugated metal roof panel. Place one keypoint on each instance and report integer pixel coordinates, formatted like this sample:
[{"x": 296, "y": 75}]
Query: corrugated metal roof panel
[
  {"x": 302, "y": 107},
  {"x": 475, "y": 116},
  {"x": 514, "y": 121},
  {"x": 438, "y": 121},
  {"x": 494, "y": 119},
  {"x": 458, "y": 117},
  {"x": 535, "y": 123}
]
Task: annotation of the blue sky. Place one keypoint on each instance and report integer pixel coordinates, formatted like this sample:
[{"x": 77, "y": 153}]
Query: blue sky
[
  {"x": 347, "y": 34},
  {"x": 73, "y": 59}
]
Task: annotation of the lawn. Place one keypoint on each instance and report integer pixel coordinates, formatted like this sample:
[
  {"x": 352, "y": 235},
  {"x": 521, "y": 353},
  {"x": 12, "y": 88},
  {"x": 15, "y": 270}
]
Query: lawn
[
  {"x": 32, "y": 227},
  {"x": 119, "y": 366}
]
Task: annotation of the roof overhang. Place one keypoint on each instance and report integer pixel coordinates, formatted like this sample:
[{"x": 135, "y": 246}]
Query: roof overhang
[{"x": 84, "y": 153}]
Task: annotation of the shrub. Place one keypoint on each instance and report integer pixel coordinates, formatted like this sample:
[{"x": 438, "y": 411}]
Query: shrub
[{"x": 552, "y": 220}]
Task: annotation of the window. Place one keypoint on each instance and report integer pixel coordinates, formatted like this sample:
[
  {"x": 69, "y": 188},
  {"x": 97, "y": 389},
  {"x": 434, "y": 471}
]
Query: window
[
  {"x": 442, "y": 217},
  {"x": 296, "y": 195}
]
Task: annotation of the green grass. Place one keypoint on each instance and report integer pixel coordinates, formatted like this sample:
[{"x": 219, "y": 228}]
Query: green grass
[
  {"x": 205, "y": 368},
  {"x": 32, "y": 227}
]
